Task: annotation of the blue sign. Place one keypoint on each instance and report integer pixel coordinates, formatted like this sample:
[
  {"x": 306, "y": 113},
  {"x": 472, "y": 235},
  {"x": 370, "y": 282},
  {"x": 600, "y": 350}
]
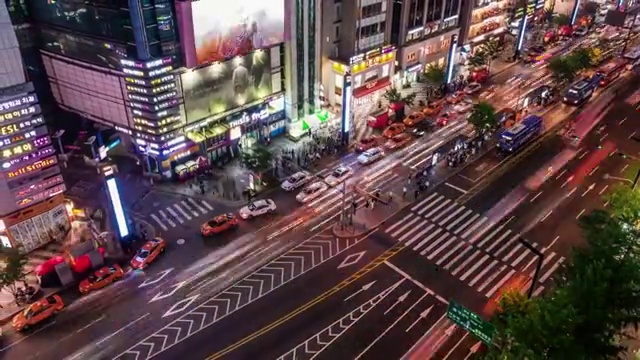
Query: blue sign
[{"x": 347, "y": 95}]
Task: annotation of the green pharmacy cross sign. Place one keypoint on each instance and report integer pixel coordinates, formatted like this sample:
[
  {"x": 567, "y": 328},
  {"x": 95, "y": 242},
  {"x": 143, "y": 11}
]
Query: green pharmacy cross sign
[{"x": 471, "y": 322}]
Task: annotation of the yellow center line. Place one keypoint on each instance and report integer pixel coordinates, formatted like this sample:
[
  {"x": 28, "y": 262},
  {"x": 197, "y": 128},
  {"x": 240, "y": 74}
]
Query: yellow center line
[{"x": 357, "y": 275}]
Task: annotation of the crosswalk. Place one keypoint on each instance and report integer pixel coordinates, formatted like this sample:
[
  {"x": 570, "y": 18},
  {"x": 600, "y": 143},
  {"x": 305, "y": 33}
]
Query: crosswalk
[
  {"x": 482, "y": 254},
  {"x": 180, "y": 212}
]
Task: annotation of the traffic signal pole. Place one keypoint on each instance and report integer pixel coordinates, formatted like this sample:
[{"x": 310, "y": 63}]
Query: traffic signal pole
[{"x": 536, "y": 274}]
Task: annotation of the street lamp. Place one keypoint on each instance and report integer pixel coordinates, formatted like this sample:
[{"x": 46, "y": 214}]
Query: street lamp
[
  {"x": 58, "y": 136},
  {"x": 633, "y": 183},
  {"x": 536, "y": 274}
]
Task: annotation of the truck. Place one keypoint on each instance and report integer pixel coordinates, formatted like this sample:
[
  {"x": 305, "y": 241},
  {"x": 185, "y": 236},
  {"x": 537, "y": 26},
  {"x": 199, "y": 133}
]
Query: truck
[
  {"x": 513, "y": 139},
  {"x": 582, "y": 90}
]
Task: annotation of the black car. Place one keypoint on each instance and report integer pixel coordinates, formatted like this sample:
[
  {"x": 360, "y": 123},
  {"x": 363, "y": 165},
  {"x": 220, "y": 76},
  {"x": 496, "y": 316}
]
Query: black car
[{"x": 422, "y": 128}]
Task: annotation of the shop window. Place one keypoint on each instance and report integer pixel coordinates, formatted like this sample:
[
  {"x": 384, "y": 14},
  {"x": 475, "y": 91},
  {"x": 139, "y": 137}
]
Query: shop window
[
  {"x": 338, "y": 91},
  {"x": 370, "y": 75},
  {"x": 337, "y": 31},
  {"x": 386, "y": 70}
]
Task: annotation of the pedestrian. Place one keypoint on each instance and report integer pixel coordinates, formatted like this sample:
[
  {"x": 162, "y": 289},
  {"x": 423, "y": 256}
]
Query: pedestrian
[
  {"x": 416, "y": 193},
  {"x": 404, "y": 192}
]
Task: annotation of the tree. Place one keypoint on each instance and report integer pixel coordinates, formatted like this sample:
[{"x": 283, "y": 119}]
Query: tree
[
  {"x": 483, "y": 117},
  {"x": 13, "y": 271},
  {"x": 548, "y": 15},
  {"x": 392, "y": 95},
  {"x": 624, "y": 204},
  {"x": 492, "y": 50},
  {"x": 477, "y": 60},
  {"x": 562, "y": 19},
  {"x": 583, "y": 58},
  {"x": 562, "y": 70},
  {"x": 435, "y": 74},
  {"x": 257, "y": 159}
]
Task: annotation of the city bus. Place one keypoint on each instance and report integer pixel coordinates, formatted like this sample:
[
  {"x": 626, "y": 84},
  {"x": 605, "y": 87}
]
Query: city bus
[
  {"x": 611, "y": 71},
  {"x": 581, "y": 91},
  {"x": 633, "y": 58},
  {"x": 514, "y": 138}
]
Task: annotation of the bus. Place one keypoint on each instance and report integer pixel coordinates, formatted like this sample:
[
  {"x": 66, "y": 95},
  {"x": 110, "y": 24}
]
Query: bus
[
  {"x": 611, "y": 71},
  {"x": 581, "y": 91},
  {"x": 514, "y": 138},
  {"x": 632, "y": 57}
]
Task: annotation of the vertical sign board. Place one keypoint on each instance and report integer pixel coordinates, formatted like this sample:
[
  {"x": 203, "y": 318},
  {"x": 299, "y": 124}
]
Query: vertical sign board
[
  {"x": 347, "y": 97},
  {"x": 116, "y": 204},
  {"x": 451, "y": 59},
  {"x": 523, "y": 30},
  {"x": 471, "y": 322}
]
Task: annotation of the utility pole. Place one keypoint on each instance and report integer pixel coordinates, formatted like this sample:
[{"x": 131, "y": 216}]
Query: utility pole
[{"x": 344, "y": 200}]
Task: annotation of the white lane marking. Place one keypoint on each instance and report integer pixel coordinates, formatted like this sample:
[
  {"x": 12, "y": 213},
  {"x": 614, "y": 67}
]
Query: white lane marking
[
  {"x": 175, "y": 215},
  {"x": 198, "y": 206},
  {"x": 26, "y": 337},
  {"x": 456, "y": 187},
  {"x": 535, "y": 197},
  {"x": 157, "y": 220},
  {"x": 474, "y": 267},
  {"x": 437, "y": 208},
  {"x": 546, "y": 216},
  {"x": 164, "y": 216},
  {"x": 603, "y": 189},
  {"x": 564, "y": 171},
  {"x": 181, "y": 210},
  {"x": 122, "y": 328},
  {"x": 580, "y": 214},
  {"x": 624, "y": 168},
  {"x": 491, "y": 278},
  {"x": 195, "y": 213},
  {"x": 498, "y": 240},
  {"x": 207, "y": 205},
  {"x": 89, "y": 324}
]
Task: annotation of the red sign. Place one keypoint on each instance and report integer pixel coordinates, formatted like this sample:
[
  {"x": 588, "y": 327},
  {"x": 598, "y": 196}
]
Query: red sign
[{"x": 371, "y": 86}]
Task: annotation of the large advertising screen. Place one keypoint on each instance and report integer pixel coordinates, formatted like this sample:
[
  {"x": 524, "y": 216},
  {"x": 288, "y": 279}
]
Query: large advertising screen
[
  {"x": 223, "y": 86},
  {"x": 237, "y": 27}
]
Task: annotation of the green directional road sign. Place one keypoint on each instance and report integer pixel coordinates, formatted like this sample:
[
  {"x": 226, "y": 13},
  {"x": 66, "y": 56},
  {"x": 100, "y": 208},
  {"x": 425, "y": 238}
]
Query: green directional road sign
[{"x": 471, "y": 322}]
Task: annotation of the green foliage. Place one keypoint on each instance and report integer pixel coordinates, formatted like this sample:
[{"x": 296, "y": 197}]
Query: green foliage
[
  {"x": 392, "y": 95},
  {"x": 590, "y": 8},
  {"x": 595, "y": 298},
  {"x": 566, "y": 68},
  {"x": 478, "y": 60},
  {"x": 257, "y": 159},
  {"x": 13, "y": 270},
  {"x": 435, "y": 74},
  {"x": 561, "y": 19},
  {"x": 492, "y": 49},
  {"x": 625, "y": 204},
  {"x": 548, "y": 15},
  {"x": 483, "y": 116}
]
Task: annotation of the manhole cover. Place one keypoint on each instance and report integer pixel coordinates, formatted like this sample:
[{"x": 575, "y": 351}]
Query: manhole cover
[{"x": 180, "y": 241}]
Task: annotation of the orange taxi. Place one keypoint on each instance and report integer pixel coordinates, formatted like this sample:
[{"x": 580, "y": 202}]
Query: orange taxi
[
  {"x": 368, "y": 143},
  {"x": 432, "y": 109},
  {"x": 413, "y": 119},
  {"x": 219, "y": 224},
  {"x": 393, "y": 130},
  {"x": 398, "y": 141},
  {"x": 37, "y": 312},
  {"x": 148, "y": 253},
  {"x": 101, "y": 278}
]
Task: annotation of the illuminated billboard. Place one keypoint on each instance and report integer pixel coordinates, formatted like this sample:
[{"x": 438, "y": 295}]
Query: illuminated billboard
[
  {"x": 27, "y": 147},
  {"x": 10, "y": 129},
  {"x": 26, "y": 99},
  {"x": 38, "y": 165},
  {"x": 223, "y": 86},
  {"x": 237, "y": 27},
  {"x": 41, "y": 196},
  {"x": 22, "y": 136},
  {"x": 8, "y": 164},
  {"x": 19, "y": 113},
  {"x": 39, "y": 187}
]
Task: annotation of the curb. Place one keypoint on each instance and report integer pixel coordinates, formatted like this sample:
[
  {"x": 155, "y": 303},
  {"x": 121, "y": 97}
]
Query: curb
[
  {"x": 5, "y": 320},
  {"x": 340, "y": 233},
  {"x": 225, "y": 202}
]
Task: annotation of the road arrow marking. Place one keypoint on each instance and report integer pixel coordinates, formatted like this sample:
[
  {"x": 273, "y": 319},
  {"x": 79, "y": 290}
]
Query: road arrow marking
[
  {"x": 180, "y": 306},
  {"x": 162, "y": 295},
  {"x": 422, "y": 316},
  {"x": 363, "y": 288},
  {"x": 402, "y": 298},
  {"x": 591, "y": 187},
  {"x": 474, "y": 349},
  {"x": 161, "y": 276},
  {"x": 351, "y": 259},
  {"x": 450, "y": 330}
]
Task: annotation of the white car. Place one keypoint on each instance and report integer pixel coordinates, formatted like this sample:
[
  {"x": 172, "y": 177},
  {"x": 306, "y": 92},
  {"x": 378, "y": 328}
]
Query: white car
[
  {"x": 296, "y": 181},
  {"x": 338, "y": 175},
  {"x": 257, "y": 208},
  {"x": 472, "y": 88},
  {"x": 464, "y": 106},
  {"x": 311, "y": 192},
  {"x": 581, "y": 31},
  {"x": 370, "y": 156}
]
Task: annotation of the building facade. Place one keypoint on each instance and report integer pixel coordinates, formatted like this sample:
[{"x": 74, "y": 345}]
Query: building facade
[
  {"x": 170, "y": 77},
  {"x": 32, "y": 210}
]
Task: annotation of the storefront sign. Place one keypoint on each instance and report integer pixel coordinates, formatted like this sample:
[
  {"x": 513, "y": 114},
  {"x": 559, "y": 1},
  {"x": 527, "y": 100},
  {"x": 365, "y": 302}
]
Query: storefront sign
[
  {"x": 146, "y": 65},
  {"x": 38, "y": 165},
  {"x": 26, "y": 147},
  {"x": 371, "y": 86},
  {"x": 41, "y": 196},
  {"x": 20, "y": 113},
  {"x": 13, "y": 128},
  {"x": 23, "y": 136},
  {"x": 27, "y": 157},
  {"x": 371, "y": 54},
  {"x": 21, "y": 101},
  {"x": 249, "y": 117},
  {"x": 38, "y": 187}
]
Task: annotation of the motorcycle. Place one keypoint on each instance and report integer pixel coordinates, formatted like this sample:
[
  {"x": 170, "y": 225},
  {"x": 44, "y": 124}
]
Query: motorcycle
[{"x": 25, "y": 295}]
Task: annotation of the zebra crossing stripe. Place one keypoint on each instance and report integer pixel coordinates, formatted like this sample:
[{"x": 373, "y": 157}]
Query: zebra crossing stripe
[
  {"x": 453, "y": 224},
  {"x": 202, "y": 210},
  {"x": 157, "y": 220},
  {"x": 419, "y": 235},
  {"x": 207, "y": 205},
  {"x": 495, "y": 231},
  {"x": 544, "y": 263},
  {"x": 446, "y": 220},
  {"x": 433, "y": 234},
  {"x": 175, "y": 215},
  {"x": 433, "y": 244},
  {"x": 490, "y": 248},
  {"x": 442, "y": 247},
  {"x": 195, "y": 213},
  {"x": 419, "y": 205},
  {"x": 444, "y": 212},
  {"x": 491, "y": 278},
  {"x": 463, "y": 226},
  {"x": 413, "y": 229},
  {"x": 165, "y": 217},
  {"x": 474, "y": 227},
  {"x": 399, "y": 231},
  {"x": 434, "y": 210},
  {"x": 525, "y": 252},
  {"x": 184, "y": 213},
  {"x": 506, "y": 246},
  {"x": 500, "y": 283},
  {"x": 435, "y": 202},
  {"x": 466, "y": 262},
  {"x": 446, "y": 256},
  {"x": 474, "y": 267},
  {"x": 450, "y": 264},
  {"x": 486, "y": 269}
]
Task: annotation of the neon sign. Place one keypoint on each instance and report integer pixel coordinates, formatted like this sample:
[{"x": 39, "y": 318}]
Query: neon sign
[
  {"x": 28, "y": 157},
  {"x": 13, "y": 128},
  {"x": 43, "y": 195},
  {"x": 38, "y": 165},
  {"x": 34, "y": 188},
  {"x": 16, "y": 114},
  {"x": 23, "y": 136},
  {"x": 246, "y": 118},
  {"x": 14, "y": 103},
  {"x": 26, "y": 147}
]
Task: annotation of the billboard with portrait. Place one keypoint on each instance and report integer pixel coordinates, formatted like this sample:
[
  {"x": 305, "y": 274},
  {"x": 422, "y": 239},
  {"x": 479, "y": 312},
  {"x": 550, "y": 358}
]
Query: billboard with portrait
[
  {"x": 238, "y": 27},
  {"x": 223, "y": 86}
]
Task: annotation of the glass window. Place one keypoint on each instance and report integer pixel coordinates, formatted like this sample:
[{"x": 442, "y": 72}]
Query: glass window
[{"x": 80, "y": 48}]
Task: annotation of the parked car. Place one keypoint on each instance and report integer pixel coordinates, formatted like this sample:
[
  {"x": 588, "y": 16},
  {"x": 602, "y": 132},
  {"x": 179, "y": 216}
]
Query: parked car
[
  {"x": 101, "y": 278},
  {"x": 399, "y": 140},
  {"x": 257, "y": 208},
  {"x": 432, "y": 109},
  {"x": 393, "y": 130},
  {"x": 296, "y": 181},
  {"x": 37, "y": 312},
  {"x": 472, "y": 88},
  {"x": 371, "y": 155},
  {"x": 464, "y": 106},
  {"x": 445, "y": 118},
  {"x": 368, "y": 143},
  {"x": 414, "y": 119}
]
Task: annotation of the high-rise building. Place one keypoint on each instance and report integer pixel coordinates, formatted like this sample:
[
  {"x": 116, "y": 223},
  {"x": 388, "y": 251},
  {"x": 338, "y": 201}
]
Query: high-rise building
[
  {"x": 32, "y": 210},
  {"x": 176, "y": 79},
  {"x": 356, "y": 43}
]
